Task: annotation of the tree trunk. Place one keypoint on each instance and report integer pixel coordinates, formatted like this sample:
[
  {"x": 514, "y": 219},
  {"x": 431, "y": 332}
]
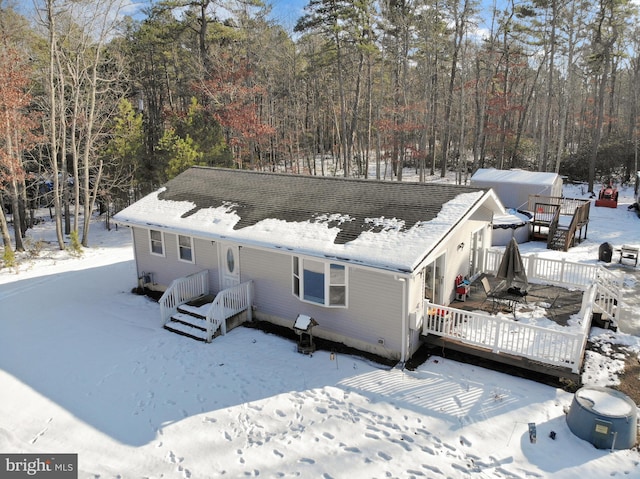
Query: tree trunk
[
  {"x": 4, "y": 227},
  {"x": 460, "y": 27},
  {"x": 53, "y": 140},
  {"x": 544, "y": 135},
  {"x": 596, "y": 133}
]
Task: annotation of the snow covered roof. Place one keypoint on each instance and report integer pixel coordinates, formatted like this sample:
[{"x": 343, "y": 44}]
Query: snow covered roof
[
  {"x": 520, "y": 177},
  {"x": 376, "y": 223},
  {"x": 514, "y": 187}
]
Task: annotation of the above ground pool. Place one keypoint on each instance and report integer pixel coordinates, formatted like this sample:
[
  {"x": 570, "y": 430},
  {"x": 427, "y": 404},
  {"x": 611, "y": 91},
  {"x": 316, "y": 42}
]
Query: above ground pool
[{"x": 516, "y": 224}]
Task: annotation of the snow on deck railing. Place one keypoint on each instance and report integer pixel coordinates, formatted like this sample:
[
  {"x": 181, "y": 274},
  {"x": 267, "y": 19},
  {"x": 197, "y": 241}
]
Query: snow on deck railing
[
  {"x": 227, "y": 303},
  {"x": 549, "y": 346},
  {"x": 570, "y": 274},
  {"x": 182, "y": 290},
  {"x": 568, "y": 206},
  {"x": 608, "y": 297},
  {"x": 503, "y": 335},
  {"x": 560, "y": 272}
]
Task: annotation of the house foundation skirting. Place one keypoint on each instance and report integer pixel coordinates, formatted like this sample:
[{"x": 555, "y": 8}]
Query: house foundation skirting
[
  {"x": 382, "y": 350},
  {"x": 503, "y": 358}
]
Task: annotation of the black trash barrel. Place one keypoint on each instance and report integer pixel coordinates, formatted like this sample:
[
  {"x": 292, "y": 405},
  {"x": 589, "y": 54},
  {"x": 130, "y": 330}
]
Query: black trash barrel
[{"x": 605, "y": 252}]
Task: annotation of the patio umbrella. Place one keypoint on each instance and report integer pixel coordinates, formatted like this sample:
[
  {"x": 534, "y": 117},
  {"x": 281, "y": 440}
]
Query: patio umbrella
[{"x": 511, "y": 269}]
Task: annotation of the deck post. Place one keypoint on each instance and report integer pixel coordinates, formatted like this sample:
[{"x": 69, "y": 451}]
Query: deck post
[
  {"x": 531, "y": 264},
  {"x": 496, "y": 342}
]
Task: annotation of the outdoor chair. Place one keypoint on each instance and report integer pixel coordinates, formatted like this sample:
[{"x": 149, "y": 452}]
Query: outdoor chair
[
  {"x": 489, "y": 293},
  {"x": 629, "y": 253},
  {"x": 500, "y": 296}
]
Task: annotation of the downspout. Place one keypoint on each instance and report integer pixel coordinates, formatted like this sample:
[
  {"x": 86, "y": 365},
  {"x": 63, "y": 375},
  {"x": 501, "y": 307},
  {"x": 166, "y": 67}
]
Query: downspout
[
  {"x": 405, "y": 301},
  {"x": 135, "y": 251}
]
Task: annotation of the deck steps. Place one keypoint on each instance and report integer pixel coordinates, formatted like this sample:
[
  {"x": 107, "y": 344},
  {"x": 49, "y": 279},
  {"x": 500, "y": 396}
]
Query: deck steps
[
  {"x": 190, "y": 320},
  {"x": 559, "y": 240}
]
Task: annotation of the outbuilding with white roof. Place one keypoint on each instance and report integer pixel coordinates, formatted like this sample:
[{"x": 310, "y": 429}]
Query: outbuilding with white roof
[{"x": 513, "y": 187}]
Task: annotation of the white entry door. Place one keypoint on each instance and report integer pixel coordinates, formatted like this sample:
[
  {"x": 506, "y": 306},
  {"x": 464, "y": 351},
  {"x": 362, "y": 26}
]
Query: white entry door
[{"x": 229, "y": 260}]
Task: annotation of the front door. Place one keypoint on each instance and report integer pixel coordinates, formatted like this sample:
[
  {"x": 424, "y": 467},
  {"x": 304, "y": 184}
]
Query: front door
[{"x": 229, "y": 256}]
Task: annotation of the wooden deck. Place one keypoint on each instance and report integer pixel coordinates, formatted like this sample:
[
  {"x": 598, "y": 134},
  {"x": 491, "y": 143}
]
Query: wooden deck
[{"x": 560, "y": 304}]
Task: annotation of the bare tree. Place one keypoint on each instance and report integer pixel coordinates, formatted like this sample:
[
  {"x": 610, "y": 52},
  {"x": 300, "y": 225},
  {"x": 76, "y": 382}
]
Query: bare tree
[{"x": 87, "y": 91}]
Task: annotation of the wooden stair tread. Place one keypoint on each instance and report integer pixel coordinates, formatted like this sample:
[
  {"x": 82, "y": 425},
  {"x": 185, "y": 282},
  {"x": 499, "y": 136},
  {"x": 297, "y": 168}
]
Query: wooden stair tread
[
  {"x": 190, "y": 320},
  {"x": 186, "y": 330}
]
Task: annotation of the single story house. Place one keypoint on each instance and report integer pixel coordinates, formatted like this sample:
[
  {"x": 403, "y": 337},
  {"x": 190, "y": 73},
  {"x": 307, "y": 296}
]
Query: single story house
[
  {"x": 358, "y": 256},
  {"x": 513, "y": 187}
]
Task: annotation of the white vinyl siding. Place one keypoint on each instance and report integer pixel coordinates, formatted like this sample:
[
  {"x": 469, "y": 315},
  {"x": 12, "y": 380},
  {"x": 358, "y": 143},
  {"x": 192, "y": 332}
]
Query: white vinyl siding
[
  {"x": 320, "y": 282},
  {"x": 165, "y": 269},
  {"x": 373, "y": 311}
]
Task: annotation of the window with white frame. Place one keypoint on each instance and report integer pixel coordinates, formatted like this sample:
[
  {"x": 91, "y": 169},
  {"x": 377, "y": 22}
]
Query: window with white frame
[
  {"x": 157, "y": 244},
  {"x": 320, "y": 282},
  {"x": 185, "y": 248}
]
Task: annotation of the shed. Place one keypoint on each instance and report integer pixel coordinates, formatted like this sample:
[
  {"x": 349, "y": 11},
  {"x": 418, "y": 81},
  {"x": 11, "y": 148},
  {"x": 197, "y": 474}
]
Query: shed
[{"x": 513, "y": 187}]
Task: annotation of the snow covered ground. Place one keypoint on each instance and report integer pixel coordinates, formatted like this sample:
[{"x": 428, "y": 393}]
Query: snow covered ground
[{"x": 86, "y": 368}]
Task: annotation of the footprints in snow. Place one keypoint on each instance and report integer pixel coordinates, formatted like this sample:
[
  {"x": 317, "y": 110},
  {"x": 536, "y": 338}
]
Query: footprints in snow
[
  {"x": 376, "y": 440},
  {"x": 173, "y": 459}
]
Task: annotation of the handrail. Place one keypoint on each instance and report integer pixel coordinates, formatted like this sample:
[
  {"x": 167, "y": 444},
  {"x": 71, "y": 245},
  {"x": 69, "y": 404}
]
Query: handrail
[
  {"x": 580, "y": 218},
  {"x": 182, "y": 290},
  {"x": 553, "y": 226},
  {"x": 544, "y": 213},
  {"x": 568, "y": 206},
  {"x": 608, "y": 298},
  {"x": 226, "y": 304},
  {"x": 571, "y": 233},
  {"x": 553, "y": 271}
]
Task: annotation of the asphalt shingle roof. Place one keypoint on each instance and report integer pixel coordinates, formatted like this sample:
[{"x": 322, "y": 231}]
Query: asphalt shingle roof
[
  {"x": 294, "y": 198},
  {"x": 384, "y": 224}
]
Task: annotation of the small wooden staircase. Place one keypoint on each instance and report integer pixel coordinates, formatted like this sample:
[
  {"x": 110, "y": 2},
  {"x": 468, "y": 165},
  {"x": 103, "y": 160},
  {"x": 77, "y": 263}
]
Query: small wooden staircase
[
  {"x": 547, "y": 224},
  {"x": 560, "y": 238},
  {"x": 190, "y": 319},
  {"x": 187, "y": 308}
]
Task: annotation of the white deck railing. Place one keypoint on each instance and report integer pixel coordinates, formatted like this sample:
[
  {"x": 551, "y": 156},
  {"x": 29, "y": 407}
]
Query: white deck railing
[
  {"x": 182, "y": 290},
  {"x": 559, "y": 272},
  {"x": 227, "y": 303},
  {"x": 503, "y": 335},
  {"x": 608, "y": 297}
]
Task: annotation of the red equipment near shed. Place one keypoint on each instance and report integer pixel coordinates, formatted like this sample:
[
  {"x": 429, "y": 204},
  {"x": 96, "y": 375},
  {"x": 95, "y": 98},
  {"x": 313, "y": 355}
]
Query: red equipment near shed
[{"x": 608, "y": 197}]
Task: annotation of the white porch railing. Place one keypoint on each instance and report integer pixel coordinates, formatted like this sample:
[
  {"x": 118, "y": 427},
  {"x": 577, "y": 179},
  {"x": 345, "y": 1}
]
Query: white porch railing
[
  {"x": 182, "y": 290},
  {"x": 608, "y": 296},
  {"x": 227, "y": 303},
  {"x": 502, "y": 335},
  {"x": 568, "y": 274}
]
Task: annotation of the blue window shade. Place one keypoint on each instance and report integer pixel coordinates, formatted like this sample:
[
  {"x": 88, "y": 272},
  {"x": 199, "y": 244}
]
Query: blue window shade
[{"x": 313, "y": 286}]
